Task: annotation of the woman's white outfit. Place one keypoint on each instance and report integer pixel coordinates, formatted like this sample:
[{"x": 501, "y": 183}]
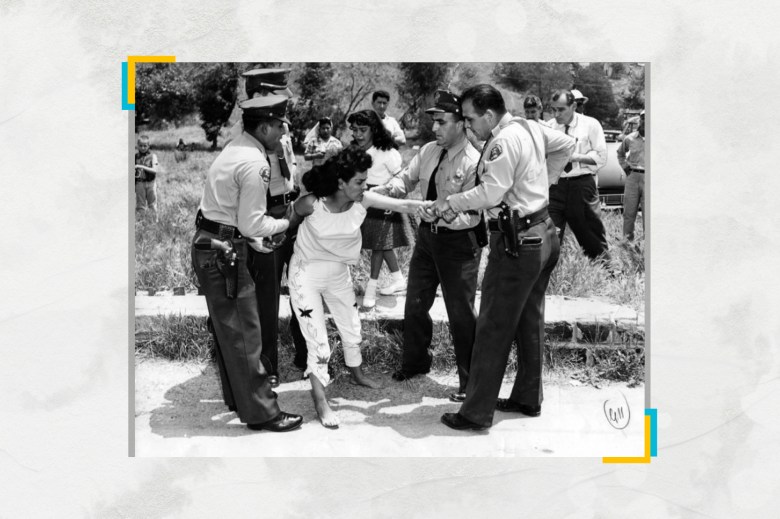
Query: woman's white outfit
[{"x": 326, "y": 245}]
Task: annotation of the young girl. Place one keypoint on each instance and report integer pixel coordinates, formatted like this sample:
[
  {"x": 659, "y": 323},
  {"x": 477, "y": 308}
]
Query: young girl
[
  {"x": 381, "y": 232},
  {"x": 329, "y": 240}
]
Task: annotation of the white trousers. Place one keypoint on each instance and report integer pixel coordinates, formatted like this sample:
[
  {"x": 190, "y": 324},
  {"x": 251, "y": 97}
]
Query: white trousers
[{"x": 310, "y": 283}]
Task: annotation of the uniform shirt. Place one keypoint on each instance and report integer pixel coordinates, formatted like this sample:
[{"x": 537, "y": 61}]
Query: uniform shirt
[
  {"x": 384, "y": 165},
  {"x": 330, "y": 148},
  {"x": 235, "y": 190},
  {"x": 631, "y": 151},
  {"x": 147, "y": 159},
  {"x": 513, "y": 168},
  {"x": 279, "y": 185},
  {"x": 392, "y": 126},
  {"x": 590, "y": 141},
  {"x": 457, "y": 173},
  {"x": 326, "y": 236}
]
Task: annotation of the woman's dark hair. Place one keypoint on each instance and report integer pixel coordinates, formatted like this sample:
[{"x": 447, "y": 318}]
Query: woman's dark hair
[
  {"x": 484, "y": 97},
  {"x": 381, "y": 138},
  {"x": 324, "y": 180}
]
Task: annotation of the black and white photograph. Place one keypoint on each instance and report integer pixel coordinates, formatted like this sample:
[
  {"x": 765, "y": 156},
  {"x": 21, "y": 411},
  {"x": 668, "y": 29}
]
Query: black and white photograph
[
  {"x": 329, "y": 259},
  {"x": 389, "y": 258}
]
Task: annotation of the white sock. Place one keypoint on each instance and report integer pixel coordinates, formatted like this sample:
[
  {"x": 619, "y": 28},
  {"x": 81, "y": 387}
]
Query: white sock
[
  {"x": 371, "y": 289},
  {"x": 397, "y": 277}
]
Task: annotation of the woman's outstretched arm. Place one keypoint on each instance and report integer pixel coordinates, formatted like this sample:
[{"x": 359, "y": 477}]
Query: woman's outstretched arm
[{"x": 371, "y": 199}]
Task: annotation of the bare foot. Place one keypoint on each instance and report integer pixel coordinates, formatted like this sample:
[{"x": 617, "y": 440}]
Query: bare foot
[
  {"x": 327, "y": 417},
  {"x": 360, "y": 378}
]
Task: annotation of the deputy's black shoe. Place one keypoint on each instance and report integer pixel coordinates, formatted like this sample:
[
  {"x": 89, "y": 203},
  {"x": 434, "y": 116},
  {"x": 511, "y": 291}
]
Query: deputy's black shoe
[
  {"x": 507, "y": 406},
  {"x": 458, "y": 397},
  {"x": 457, "y": 422},
  {"x": 282, "y": 423},
  {"x": 232, "y": 408},
  {"x": 403, "y": 374}
]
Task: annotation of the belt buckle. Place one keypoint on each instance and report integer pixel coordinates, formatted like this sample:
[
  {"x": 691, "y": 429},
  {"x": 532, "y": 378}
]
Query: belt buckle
[{"x": 286, "y": 198}]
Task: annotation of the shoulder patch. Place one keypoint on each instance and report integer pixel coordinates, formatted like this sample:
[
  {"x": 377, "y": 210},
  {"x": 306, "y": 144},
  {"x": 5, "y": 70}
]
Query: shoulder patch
[
  {"x": 495, "y": 152},
  {"x": 265, "y": 174}
]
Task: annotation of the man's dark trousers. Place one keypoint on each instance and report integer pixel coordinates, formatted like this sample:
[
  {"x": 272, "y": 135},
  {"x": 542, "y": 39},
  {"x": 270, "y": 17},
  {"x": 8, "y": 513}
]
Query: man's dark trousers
[
  {"x": 575, "y": 201},
  {"x": 452, "y": 260},
  {"x": 237, "y": 328},
  {"x": 266, "y": 270},
  {"x": 512, "y": 308}
]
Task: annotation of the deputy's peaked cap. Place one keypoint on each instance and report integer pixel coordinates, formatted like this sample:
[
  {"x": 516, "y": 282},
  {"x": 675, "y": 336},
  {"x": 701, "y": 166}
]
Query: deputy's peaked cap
[
  {"x": 444, "y": 101},
  {"x": 273, "y": 106},
  {"x": 265, "y": 79}
]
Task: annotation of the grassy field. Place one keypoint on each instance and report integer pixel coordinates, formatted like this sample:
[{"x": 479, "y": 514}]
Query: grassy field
[{"x": 162, "y": 255}]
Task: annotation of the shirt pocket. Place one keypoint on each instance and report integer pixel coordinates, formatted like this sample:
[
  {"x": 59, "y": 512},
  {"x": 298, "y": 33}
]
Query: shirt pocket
[{"x": 455, "y": 181}]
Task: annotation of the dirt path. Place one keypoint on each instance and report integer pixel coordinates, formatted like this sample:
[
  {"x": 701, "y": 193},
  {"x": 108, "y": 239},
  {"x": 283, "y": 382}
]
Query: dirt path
[{"x": 179, "y": 412}]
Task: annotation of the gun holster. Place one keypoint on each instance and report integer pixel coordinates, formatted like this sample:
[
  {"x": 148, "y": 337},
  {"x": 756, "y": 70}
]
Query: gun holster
[
  {"x": 227, "y": 264},
  {"x": 508, "y": 225},
  {"x": 481, "y": 232}
]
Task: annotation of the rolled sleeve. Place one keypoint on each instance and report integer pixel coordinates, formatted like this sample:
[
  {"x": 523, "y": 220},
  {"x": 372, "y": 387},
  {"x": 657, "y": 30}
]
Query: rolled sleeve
[
  {"x": 406, "y": 181},
  {"x": 599, "y": 145},
  {"x": 559, "y": 148}
]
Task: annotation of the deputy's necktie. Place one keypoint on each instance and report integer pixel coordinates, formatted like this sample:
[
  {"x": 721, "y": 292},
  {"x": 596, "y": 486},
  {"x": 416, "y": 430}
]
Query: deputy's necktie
[
  {"x": 567, "y": 168},
  {"x": 432, "y": 193},
  {"x": 283, "y": 166}
]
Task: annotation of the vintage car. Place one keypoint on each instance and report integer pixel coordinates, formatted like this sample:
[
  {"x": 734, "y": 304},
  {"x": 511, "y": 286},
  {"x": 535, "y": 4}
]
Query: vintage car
[{"x": 611, "y": 178}]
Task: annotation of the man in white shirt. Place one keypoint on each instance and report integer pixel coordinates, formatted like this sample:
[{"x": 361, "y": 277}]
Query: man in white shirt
[
  {"x": 231, "y": 219},
  {"x": 379, "y": 101},
  {"x": 324, "y": 145},
  {"x": 574, "y": 199}
]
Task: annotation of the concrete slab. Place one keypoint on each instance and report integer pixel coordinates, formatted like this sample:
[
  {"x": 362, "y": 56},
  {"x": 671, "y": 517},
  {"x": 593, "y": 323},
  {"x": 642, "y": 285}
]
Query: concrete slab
[
  {"x": 179, "y": 412},
  {"x": 557, "y": 309}
]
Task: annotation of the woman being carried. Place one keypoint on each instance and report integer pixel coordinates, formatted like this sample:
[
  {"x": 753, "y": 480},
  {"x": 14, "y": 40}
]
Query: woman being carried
[{"x": 328, "y": 242}]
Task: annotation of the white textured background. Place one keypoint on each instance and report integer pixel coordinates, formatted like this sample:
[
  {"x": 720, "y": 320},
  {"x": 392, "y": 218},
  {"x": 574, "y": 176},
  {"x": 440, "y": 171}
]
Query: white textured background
[{"x": 64, "y": 262}]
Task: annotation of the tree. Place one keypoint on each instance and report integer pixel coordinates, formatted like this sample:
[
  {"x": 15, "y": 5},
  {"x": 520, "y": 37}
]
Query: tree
[
  {"x": 163, "y": 92},
  {"x": 335, "y": 90},
  {"x": 354, "y": 82},
  {"x": 535, "y": 78},
  {"x": 216, "y": 87},
  {"x": 594, "y": 85},
  {"x": 416, "y": 88},
  {"x": 315, "y": 98},
  {"x": 634, "y": 95}
]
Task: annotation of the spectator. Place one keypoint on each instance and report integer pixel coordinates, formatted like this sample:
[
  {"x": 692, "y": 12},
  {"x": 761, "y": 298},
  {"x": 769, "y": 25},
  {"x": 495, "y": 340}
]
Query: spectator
[
  {"x": 631, "y": 155},
  {"x": 382, "y": 231},
  {"x": 574, "y": 198},
  {"x": 379, "y": 101},
  {"x": 146, "y": 169},
  {"x": 324, "y": 145}
]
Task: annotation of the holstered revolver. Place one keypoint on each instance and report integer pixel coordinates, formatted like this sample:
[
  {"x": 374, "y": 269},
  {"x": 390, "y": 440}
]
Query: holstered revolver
[
  {"x": 227, "y": 264},
  {"x": 508, "y": 226}
]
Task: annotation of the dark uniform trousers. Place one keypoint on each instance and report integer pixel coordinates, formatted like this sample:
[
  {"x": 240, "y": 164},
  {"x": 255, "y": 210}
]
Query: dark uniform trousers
[
  {"x": 266, "y": 270},
  {"x": 451, "y": 259},
  {"x": 237, "y": 329},
  {"x": 575, "y": 201},
  {"x": 512, "y": 308}
]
